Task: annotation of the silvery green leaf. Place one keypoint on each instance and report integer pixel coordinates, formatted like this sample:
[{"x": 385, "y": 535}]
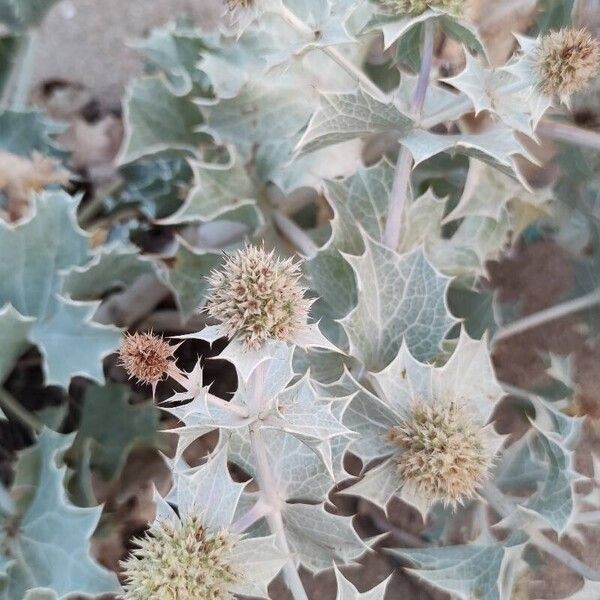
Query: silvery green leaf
[
  {"x": 400, "y": 298},
  {"x": 300, "y": 412},
  {"x": 327, "y": 17},
  {"x": 484, "y": 571},
  {"x": 209, "y": 490},
  {"x": 317, "y": 538},
  {"x": 22, "y": 132},
  {"x": 262, "y": 111},
  {"x": 554, "y": 500},
  {"x": 394, "y": 27},
  {"x": 51, "y": 546},
  {"x": 324, "y": 366},
  {"x": 298, "y": 473},
  {"x": 40, "y": 594},
  {"x": 260, "y": 560},
  {"x": 157, "y": 121},
  {"x": 366, "y": 415},
  {"x": 36, "y": 253},
  {"x": 467, "y": 377},
  {"x": 175, "y": 50},
  {"x": 186, "y": 276},
  {"x": 496, "y": 146},
  {"x": 218, "y": 189},
  {"x": 347, "y": 116},
  {"x": 113, "y": 267},
  {"x": 360, "y": 200},
  {"x": 71, "y": 344},
  {"x": 346, "y": 591},
  {"x": 14, "y": 332},
  {"x": 378, "y": 485}
]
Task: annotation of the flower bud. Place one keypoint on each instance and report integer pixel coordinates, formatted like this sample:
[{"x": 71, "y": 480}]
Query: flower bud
[
  {"x": 146, "y": 356},
  {"x": 258, "y": 297},
  {"x": 566, "y": 61},
  {"x": 442, "y": 455},
  {"x": 180, "y": 561}
]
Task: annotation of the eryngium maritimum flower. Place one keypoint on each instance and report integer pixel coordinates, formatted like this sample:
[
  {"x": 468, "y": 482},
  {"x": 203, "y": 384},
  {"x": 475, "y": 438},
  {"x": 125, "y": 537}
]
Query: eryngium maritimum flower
[
  {"x": 146, "y": 356},
  {"x": 258, "y": 297},
  {"x": 239, "y": 4},
  {"x": 566, "y": 61},
  {"x": 180, "y": 561},
  {"x": 443, "y": 456},
  {"x": 416, "y": 7}
]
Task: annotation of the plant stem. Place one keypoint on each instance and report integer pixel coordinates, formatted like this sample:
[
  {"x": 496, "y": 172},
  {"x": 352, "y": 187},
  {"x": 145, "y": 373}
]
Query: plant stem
[
  {"x": 258, "y": 511},
  {"x": 565, "y": 132},
  {"x": 24, "y": 68},
  {"x": 400, "y": 188},
  {"x": 546, "y": 316},
  {"x": 355, "y": 72},
  {"x": 9, "y": 403},
  {"x": 295, "y": 235},
  {"x": 504, "y": 507},
  {"x": 274, "y": 518}
]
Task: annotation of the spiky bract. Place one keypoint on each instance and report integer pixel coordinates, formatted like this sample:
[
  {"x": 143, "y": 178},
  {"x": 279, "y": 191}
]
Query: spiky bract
[
  {"x": 180, "y": 561},
  {"x": 566, "y": 61},
  {"x": 146, "y": 356},
  {"x": 442, "y": 454},
  {"x": 258, "y": 297},
  {"x": 416, "y": 7}
]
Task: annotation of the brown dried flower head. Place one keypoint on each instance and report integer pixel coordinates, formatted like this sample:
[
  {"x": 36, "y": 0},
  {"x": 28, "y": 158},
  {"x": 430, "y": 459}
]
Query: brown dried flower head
[
  {"x": 567, "y": 60},
  {"x": 146, "y": 356},
  {"x": 416, "y": 7},
  {"x": 180, "y": 561},
  {"x": 258, "y": 297},
  {"x": 443, "y": 454}
]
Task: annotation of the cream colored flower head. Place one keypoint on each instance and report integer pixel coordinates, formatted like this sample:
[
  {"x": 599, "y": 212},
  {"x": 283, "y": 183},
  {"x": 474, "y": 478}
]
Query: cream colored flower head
[
  {"x": 258, "y": 297},
  {"x": 432, "y": 428},
  {"x": 417, "y": 7},
  {"x": 566, "y": 61},
  {"x": 180, "y": 561},
  {"x": 442, "y": 455},
  {"x": 146, "y": 357}
]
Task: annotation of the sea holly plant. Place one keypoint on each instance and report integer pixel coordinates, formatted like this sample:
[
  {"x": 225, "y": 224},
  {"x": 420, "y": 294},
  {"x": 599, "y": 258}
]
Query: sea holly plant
[{"x": 294, "y": 267}]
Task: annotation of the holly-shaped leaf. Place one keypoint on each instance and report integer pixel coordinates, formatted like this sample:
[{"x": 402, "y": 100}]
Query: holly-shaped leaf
[{"x": 49, "y": 548}]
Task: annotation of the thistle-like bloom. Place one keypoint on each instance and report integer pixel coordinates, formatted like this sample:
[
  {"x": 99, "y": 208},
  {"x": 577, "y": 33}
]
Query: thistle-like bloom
[
  {"x": 147, "y": 357},
  {"x": 258, "y": 298},
  {"x": 430, "y": 425},
  {"x": 180, "y": 561},
  {"x": 442, "y": 454},
  {"x": 566, "y": 61},
  {"x": 417, "y": 7}
]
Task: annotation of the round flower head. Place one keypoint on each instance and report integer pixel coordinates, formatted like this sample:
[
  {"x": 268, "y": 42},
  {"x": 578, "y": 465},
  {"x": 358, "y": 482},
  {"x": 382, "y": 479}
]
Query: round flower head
[
  {"x": 258, "y": 297},
  {"x": 146, "y": 356},
  {"x": 416, "y": 7},
  {"x": 566, "y": 61},
  {"x": 442, "y": 454},
  {"x": 180, "y": 561}
]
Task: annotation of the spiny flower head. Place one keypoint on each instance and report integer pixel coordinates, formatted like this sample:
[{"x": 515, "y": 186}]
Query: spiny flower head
[
  {"x": 566, "y": 61},
  {"x": 146, "y": 357},
  {"x": 443, "y": 455},
  {"x": 180, "y": 561},
  {"x": 258, "y": 297},
  {"x": 416, "y": 7}
]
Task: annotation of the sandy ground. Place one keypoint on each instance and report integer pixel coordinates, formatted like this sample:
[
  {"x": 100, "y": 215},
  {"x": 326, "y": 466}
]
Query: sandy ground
[{"x": 85, "y": 41}]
